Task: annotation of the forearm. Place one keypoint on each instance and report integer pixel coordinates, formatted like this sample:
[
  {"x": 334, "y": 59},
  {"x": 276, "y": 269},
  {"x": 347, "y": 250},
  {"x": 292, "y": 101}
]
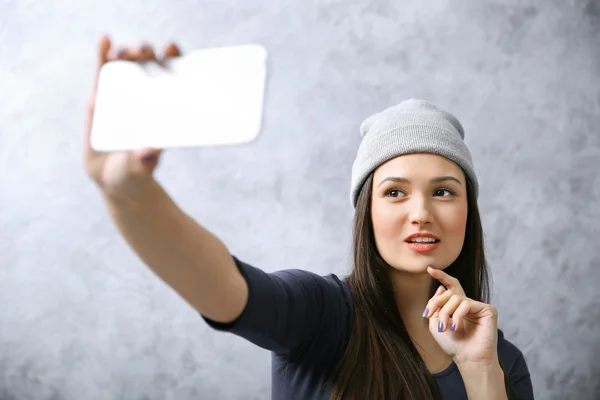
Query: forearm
[
  {"x": 194, "y": 262},
  {"x": 483, "y": 381}
]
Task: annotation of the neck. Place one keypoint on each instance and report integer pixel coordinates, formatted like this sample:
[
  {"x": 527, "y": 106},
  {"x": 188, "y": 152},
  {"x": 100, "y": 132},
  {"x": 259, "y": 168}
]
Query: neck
[{"x": 412, "y": 292}]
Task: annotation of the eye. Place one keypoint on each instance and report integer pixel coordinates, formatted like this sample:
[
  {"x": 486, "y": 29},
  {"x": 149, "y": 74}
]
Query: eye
[
  {"x": 394, "y": 193},
  {"x": 444, "y": 192}
]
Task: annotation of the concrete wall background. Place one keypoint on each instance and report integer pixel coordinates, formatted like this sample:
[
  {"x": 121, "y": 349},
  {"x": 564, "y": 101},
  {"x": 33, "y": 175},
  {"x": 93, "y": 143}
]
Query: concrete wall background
[{"x": 82, "y": 318}]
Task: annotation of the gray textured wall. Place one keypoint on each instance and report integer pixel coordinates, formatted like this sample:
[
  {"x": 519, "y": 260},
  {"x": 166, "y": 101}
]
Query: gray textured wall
[{"x": 82, "y": 318}]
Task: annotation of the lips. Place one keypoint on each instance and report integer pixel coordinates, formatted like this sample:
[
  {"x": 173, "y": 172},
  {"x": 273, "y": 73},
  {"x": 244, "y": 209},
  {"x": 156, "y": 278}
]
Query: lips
[
  {"x": 422, "y": 242},
  {"x": 422, "y": 247},
  {"x": 422, "y": 237}
]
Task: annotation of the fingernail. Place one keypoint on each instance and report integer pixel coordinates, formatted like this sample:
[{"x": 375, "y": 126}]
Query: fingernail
[
  {"x": 149, "y": 157},
  {"x": 432, "y": 267},
  {"x": 120, "y": 52},
  {"x": 425, "y": 312},
  {"x": 453, "y": 327},
  {"x": 440, "y": 326}
]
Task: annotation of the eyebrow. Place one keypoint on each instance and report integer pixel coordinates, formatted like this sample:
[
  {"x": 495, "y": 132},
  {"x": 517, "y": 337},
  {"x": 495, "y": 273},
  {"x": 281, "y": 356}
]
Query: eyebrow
[{"x": 437, "y": 179}]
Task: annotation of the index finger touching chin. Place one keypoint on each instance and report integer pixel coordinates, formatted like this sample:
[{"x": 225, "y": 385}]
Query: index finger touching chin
[{"x": 447, "y": 280}]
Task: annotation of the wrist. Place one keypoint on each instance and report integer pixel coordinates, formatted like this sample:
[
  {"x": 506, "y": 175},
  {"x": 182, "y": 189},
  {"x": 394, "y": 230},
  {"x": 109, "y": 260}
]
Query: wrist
[
  {"x": 148, "y": 203},
  {"x": 483, "y": 379},
  {"x": 131, "y": 193},
  {"x": 483, "y": 366}
]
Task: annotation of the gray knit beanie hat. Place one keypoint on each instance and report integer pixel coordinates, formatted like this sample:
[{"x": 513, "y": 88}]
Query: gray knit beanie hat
[{"x": 413, "y": 126}]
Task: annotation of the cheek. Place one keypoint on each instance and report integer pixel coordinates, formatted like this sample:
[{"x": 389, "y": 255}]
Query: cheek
[
  {"x": 385, "y": 225},
  {"x": 457, "y": 224}
]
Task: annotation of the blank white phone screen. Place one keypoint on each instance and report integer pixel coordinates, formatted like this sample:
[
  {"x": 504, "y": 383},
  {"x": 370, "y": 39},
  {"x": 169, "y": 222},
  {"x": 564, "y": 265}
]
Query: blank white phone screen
[{"x": 208, "y": 97}]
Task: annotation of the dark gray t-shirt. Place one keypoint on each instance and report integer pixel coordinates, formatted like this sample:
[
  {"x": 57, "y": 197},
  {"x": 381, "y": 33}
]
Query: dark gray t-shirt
[{"x": 305, "y": 320}]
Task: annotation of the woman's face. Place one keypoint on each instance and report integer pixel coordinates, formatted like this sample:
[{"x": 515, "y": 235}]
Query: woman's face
[{"x": 424, "y": 195}]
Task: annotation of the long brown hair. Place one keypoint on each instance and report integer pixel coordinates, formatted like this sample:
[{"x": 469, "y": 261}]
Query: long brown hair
[{"x": 381, "y": 361}]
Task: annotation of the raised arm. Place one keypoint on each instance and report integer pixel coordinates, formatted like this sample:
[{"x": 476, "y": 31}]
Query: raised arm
[
  {"x": 191, "y": 260},
  {"x": 281, "y": 311}
]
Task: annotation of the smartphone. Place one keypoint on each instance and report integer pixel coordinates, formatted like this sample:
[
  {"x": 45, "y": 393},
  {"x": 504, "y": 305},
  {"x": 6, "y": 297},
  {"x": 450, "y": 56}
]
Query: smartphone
[{"x": 207, "y": 97}]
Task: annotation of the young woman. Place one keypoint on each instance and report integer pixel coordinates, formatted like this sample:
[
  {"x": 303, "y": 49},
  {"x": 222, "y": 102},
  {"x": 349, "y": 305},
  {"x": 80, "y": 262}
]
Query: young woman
[{"x": 411, "y": 320}]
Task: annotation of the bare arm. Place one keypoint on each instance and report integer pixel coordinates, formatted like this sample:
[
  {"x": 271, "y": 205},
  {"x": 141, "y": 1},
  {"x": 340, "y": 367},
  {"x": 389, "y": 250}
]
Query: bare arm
[
  {"x": 187, "y": 257},
  {"x": 281, "y": 311},
  {"x": 194, "y": 262}
]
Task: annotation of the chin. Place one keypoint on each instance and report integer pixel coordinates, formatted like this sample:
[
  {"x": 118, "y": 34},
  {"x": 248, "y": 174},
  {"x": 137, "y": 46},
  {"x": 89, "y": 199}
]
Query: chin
[
  {"x": 411, "y": 268},
  {"x": 418, "y": 264}
]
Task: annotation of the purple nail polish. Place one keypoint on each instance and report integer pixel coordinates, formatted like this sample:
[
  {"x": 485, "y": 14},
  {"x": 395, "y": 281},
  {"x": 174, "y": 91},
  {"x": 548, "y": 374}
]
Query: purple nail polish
[
  {"x": 120, "y": 53},
  {"x": 425, "y": 312},
  {"x": 432, "y": 267},
  {"x": 453, "y": 327},
  {"x": 149, "y": 157},
  {"x": 440, "y": 326}
]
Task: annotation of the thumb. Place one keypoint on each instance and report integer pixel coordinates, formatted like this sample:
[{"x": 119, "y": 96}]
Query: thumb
[{"x": 148, "y": 158}]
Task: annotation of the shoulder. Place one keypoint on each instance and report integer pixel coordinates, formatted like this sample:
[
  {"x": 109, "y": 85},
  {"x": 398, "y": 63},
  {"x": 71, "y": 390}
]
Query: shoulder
[
  {"x": 299, "y": 281},
  {"x": 515, "y": 366},
  {"x": 305, "y": 277},
  {"x": 508, "y": 352},
  {"x": 307, "y": 289},
  {"x": 327, "y": 287},
  {"x": 288, "y": 310}
]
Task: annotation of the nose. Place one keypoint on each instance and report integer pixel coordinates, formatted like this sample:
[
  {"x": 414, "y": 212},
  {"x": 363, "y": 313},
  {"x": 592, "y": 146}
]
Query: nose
[{"x": 420, "y": 213}]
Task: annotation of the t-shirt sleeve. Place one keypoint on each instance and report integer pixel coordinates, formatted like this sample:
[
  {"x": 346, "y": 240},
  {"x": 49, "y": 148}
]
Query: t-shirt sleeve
[
  {"x": 288, "y": 309},
  {"x": 516, "y": 367}
]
